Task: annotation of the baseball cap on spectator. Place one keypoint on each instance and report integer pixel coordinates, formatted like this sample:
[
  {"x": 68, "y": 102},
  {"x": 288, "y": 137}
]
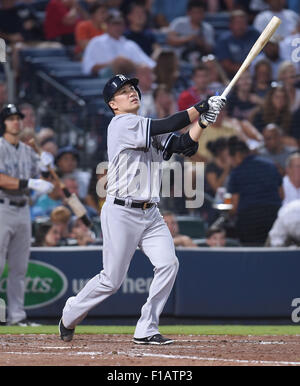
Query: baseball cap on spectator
[
  {"x": 65, "y": 150},
  {"x": 115, "y": 16}
]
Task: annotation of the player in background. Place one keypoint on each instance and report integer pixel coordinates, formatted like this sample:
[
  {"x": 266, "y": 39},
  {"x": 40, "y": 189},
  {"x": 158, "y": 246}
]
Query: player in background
[
  {"x": 19, "y": 167},
  {"x": 130, "y": 217}
]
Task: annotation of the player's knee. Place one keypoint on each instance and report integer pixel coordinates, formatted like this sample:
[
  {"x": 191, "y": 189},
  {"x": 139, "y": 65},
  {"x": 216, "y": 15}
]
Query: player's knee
[{"x": 173, "y": 265}]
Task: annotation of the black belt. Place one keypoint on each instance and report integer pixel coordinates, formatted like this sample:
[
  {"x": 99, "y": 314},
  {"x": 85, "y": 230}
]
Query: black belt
[
  {"x": 141, "y": 205},
  {"x": 19, "y": 204}
]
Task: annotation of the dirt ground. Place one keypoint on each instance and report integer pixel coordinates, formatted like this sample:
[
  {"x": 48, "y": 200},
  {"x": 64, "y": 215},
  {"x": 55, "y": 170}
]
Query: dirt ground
[{"x": 118, "y": 350}]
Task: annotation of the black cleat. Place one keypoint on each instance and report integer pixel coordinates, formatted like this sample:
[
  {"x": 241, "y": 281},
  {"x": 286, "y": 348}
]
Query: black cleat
[
  {"x": 66, "y": 334},
  {"x": 154, "y": 339}
]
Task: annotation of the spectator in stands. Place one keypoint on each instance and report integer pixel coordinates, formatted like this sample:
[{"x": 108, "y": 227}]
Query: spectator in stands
[
  {"x": 262, "y": 78},
  {"x": 71, "y": 183},
  {"x": 45, "y": 133},
  {"x": 27, "y": 134},
  {"x": 274, "y": 149},
  {"x": 233, "y": 46},
  {"x": 276, "y": 109},
  {"x": 61, "y": 19},
  {"x": 215, "y": 6},
  {"x": 256, "y": 188},
  {"x": 199, "y": 89},
  {"x": 3, "y": 93},
  {"x": 45, "y": 203},
  {"x": 47, "y": 235},
  {"x": 112, "y": 52},
  {"x": 136, "y": 17},
  {"x": 289, "y": 18},
  {"x": 179, "y": 240},
  {"x": 67, "y": 161},
  {"x": 242, "y": 102},
  {"x": 190, "y": 36},
  {"x": 30, "y": 119},
  {"x": 165, "y": 11},
  {"x": 287, "y": 75},
  {"x": 270, "y": 53},
  {"x": 291, "y": 181},
  {"x": 61, "y": 217},
  {"x": 164, "y": 101},
  {"x": 216, "y": 237},
  {"x": 49, "y": 145},
  {"x": 218, "y": 169},
  {"x": 18, "y": 23},
  {"x": 146, "y": 84},
  {"x": 289, "y": 48},
  {"x": 167, "y": 70},
  {"x": 217, "y": 78},
  {"x": 286, "y": 229},
  {"x": 81, "y": 233},
  {"x": 96, "y": 196},
  {"x": 85, "y": 30},
  {"x": 225, "y": 126}
]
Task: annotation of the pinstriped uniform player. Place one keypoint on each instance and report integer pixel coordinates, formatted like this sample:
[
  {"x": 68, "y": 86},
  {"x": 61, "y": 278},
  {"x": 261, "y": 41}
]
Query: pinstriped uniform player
[
  {"x": 130, "y": 217},
  {"x": 18, "y": 171}
]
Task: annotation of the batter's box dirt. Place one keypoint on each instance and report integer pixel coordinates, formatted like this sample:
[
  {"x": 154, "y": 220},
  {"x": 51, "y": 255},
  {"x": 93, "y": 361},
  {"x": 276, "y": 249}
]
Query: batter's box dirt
[{"x": 119, "y": 350}]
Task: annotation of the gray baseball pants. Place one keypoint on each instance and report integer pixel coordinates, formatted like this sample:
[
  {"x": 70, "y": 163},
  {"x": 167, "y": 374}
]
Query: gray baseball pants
[
  {"x": 15, "y": 240},
  {"x": 124, "y": 229}
]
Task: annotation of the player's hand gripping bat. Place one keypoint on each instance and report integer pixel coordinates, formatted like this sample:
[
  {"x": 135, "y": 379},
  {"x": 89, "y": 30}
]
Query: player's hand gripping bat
[
  {"x": 72, "y": 199},
  {"x": 255, "y": 50}
]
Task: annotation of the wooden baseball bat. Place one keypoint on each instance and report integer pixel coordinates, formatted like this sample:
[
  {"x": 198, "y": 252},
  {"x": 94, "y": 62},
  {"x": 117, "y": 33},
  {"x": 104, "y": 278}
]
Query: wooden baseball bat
[
  {"x": 255, "y": 50},
  {"x": 72, "y": 199}
]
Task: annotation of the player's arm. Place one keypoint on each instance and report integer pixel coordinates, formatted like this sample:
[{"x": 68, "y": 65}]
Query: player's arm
[
  {"x": 12, "y": 183},
  {"x": 205, "y": 109},
  {"x": 178, "y": 120},
  {"x": 187, "y": 143}
]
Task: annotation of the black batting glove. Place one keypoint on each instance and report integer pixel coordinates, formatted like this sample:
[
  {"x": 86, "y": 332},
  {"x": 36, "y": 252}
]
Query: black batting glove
[{"x": 202, "y": 107}]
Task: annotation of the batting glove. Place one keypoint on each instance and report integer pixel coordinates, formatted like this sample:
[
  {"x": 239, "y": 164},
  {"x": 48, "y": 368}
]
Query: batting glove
[
  {"x": 216, "y": 103},
  {"x": 209, "y": 117},
  {"x": 40, "y": 185},
  {"x": 47, "y": 160}
]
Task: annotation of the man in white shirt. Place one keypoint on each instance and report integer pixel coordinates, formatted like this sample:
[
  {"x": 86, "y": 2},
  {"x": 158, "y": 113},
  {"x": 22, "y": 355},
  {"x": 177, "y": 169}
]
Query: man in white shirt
[
  {"x": 190, "y": 34},
  {"x": 113, "y": 51},
  {"x": 290, "y": 48},
  {"x": 291, "y": 182},
  {"x": 286, "y": 229},
  {"x": 289, "y": 18}
]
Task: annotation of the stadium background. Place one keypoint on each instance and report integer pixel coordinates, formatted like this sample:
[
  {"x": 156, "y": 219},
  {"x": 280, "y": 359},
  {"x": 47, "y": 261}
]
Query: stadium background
[{"x": 50, "y": 78}]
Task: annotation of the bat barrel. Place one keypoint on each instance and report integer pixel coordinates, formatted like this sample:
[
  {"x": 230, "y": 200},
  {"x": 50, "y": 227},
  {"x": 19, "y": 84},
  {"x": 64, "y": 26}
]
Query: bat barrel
[{"x": 255, "y": 50}]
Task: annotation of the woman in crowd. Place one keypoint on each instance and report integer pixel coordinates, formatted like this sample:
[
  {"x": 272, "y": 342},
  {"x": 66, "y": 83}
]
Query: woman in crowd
[
  {"x": 262, "y": 78},
  {"x": 287, "y": 75},
  {"x": 242, "y": 102},
  {"x": 276, "y": 109}
]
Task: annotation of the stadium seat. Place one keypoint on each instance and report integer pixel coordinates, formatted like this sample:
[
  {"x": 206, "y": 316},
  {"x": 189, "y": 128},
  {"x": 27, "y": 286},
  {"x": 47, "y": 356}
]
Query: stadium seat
[{"x": 194, "y": 227}]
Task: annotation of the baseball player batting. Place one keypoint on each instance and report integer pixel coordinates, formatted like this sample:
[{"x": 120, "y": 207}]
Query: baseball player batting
[
  {"x": 18, "y": 169},
  {"x": 130, "y": 217}
]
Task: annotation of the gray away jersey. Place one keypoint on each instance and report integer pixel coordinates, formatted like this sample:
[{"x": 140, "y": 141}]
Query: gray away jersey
[
  {"x": 135, "y": 158},
  {"x": 21, "y": 162}
]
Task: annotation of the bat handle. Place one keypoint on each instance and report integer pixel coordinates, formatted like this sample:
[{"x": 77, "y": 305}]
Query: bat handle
[
  {"x": 203, "y": 123},
  {"x": 85, "y": 219}
]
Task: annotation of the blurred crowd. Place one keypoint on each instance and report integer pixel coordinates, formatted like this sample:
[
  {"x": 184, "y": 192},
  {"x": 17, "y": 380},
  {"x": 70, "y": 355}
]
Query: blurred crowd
[{"x": 180, "y": 56}]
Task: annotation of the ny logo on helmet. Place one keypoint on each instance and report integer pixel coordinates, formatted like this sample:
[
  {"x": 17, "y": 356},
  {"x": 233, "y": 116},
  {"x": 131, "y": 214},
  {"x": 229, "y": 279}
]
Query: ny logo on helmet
[{"x": 122, "y": 77}]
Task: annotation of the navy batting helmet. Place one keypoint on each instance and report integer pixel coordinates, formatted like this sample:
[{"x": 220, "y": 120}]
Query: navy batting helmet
[
  {"x": 6, "y": 112},
  {"x": 115, "y": 83}
]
